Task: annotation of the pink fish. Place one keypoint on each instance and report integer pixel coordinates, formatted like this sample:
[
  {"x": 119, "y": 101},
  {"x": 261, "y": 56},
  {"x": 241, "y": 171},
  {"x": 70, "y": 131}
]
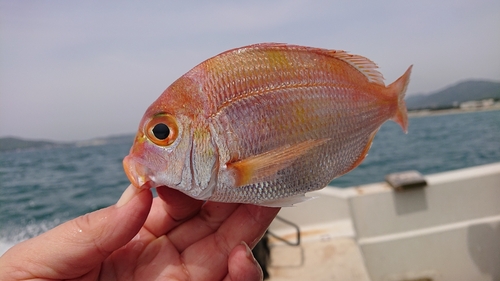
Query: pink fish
[{"x": 264, "y": 124}]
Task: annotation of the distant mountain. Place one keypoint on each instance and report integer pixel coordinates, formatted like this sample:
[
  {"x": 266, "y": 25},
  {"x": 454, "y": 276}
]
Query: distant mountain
[{"x": 454, "y": 95}]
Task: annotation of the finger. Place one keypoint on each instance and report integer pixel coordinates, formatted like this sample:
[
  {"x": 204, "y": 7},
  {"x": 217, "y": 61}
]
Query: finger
[
  {"x": 206, "y": 222},
  {"x": 248, "y": 223},
  {"x": 242, "y": 265},
  {"x": 171, "y": 209},
  {"x": 209, "y": 256},
  {"x": 77, "y": 246}
]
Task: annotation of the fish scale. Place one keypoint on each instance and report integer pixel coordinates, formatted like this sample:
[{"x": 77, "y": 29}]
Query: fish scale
[{"x": 264, "y": 124}]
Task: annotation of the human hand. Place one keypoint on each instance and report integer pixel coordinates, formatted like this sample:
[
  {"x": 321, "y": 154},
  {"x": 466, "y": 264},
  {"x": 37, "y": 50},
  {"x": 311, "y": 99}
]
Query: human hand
[{"x": 141, "y": 238}]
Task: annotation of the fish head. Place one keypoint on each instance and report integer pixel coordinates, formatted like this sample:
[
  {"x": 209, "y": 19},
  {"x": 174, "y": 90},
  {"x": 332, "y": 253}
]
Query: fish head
[
  {"x": 170, "y": 148},
  {"x": 159, "y": 152}
]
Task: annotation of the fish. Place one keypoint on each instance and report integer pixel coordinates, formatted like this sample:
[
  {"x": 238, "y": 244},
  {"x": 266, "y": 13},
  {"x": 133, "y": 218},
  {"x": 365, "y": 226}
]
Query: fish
[{"x": 264, "y": 124}]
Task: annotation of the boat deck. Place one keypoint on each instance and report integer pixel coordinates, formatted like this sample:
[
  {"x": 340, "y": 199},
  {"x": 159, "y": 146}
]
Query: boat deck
[
  {"x": 446, "y": 231},
  {"x": 327, "y": 259}
]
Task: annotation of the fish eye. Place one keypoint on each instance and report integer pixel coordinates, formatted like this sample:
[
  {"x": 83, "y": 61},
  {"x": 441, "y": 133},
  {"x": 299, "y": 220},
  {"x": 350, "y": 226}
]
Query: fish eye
[{"x": 162, "y": 129}]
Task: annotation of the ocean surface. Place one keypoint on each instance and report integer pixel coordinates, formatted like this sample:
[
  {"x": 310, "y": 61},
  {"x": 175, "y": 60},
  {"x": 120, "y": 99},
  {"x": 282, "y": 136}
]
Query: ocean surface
[{"x": 42, "y": 188}]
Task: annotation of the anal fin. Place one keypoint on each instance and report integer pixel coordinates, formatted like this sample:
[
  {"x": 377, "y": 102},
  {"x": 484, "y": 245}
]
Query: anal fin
[
  {"x": 286, "y": 201},
  {"x": 364, "y": 153}
]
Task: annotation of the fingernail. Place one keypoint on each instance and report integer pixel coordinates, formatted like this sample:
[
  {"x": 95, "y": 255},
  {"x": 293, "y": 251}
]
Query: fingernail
[
  {"x": 127, "y": 195},
  {"x": 249, "y": 251}
]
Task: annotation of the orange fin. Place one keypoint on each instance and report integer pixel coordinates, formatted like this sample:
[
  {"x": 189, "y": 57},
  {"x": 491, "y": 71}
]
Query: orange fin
[
  {"x": 261, "y": 167},
  {"x": 364, "y": 153},
  {"x": 398, "y": 89},
  {"x": 362, "y": 64}
]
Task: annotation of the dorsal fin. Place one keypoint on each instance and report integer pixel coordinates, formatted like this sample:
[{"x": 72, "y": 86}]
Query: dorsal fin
[{"x": 364, "y": 65}]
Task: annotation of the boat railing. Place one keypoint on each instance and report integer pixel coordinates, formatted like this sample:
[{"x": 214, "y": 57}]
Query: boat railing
[{"x": 288, "y": 242}]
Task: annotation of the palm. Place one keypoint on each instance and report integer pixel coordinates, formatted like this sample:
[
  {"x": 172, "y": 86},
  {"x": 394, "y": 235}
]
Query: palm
[{"x": 184, "y": 239}]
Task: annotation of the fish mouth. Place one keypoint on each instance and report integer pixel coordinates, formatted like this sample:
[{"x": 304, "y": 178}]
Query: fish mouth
[{"x": 137, "y": 173}]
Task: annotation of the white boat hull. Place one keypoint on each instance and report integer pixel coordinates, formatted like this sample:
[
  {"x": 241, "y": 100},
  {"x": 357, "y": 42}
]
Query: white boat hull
[{"x": 449, "y": 230}]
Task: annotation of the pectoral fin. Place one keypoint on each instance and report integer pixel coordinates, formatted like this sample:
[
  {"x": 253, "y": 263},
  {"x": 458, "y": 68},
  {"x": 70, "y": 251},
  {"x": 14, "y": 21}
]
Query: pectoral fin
[{"x": 264, "y": 166}]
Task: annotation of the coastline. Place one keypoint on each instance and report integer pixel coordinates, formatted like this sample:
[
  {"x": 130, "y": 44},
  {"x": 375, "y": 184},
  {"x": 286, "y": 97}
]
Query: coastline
[{"x": 429, "y": 112}]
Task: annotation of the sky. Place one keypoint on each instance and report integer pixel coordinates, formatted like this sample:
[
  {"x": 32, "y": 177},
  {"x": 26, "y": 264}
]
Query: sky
[{"x": 76, "y": 70}]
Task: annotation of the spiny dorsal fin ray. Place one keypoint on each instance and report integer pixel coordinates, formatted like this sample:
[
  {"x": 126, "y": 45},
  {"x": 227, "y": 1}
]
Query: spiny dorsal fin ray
[{"x": 362, "y": 64}]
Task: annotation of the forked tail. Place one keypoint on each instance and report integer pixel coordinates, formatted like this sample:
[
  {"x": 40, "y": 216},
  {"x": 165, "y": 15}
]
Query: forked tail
[{"x": 398, "y": 88}]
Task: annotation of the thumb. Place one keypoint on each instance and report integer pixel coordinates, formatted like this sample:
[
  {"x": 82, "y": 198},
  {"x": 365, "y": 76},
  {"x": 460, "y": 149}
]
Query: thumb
[
  {"x": 242, "y": 265},
  {"x": 79, "y": 246}
]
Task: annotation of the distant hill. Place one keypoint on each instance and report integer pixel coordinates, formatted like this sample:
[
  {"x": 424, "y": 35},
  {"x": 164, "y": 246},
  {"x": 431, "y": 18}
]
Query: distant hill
[{"x": 456, "y": 94}]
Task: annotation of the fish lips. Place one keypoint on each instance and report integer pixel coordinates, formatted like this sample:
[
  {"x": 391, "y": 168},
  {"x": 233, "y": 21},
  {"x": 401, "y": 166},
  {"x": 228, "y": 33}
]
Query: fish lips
[{"x": 137, "y": 173}]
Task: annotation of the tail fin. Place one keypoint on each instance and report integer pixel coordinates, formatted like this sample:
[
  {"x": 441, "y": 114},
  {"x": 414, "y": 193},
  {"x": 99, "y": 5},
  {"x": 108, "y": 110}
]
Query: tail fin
[{"x": 398, "y": 88}]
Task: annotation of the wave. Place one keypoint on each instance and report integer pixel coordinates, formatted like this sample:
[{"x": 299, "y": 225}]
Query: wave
[{"x": 12, "y": 234}]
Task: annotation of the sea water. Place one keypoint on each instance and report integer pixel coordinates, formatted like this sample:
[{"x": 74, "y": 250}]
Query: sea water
[{"x": 42, "y": 188}]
